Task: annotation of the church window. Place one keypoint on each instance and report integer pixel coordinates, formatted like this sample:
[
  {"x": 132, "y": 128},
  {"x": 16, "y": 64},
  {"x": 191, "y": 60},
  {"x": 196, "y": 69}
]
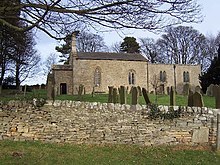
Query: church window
[
  {"x": 131, "y": 77},
  {"x": 162, "y": 76},
  {"x": 185, "y": 76},
  {"x": 97, "y": 77}
]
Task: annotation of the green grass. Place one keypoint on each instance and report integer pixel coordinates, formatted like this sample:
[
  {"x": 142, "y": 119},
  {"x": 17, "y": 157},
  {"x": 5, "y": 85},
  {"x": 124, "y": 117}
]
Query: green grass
[
  {"x": 103, "y": 98},
  {"x": 44, "y": 153},
  {"x": 16, "y": 95},
  {"x": 161, "y": 99}
]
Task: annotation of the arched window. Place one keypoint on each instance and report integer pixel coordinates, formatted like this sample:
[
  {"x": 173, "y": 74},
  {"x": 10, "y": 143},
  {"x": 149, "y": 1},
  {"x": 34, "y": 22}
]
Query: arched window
[
  {"x": 131, "y": 77},
  {"x": 185, "y": 76},
  {"x": 162, "y": 76},
  {"x": 97, "y": 77}
]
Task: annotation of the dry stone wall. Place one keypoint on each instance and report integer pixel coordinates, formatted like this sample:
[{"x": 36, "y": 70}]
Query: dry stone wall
[{"x": 96, "y": 123}]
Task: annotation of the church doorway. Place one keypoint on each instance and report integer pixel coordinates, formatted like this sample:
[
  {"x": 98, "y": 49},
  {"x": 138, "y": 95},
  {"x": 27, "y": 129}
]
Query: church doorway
[{"x": 63, "y": 88}]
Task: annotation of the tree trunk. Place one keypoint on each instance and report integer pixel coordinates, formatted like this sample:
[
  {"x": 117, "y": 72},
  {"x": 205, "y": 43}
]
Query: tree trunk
[
  {"x": 17, "y": 80},
  {"x": 1, "y": 78}
]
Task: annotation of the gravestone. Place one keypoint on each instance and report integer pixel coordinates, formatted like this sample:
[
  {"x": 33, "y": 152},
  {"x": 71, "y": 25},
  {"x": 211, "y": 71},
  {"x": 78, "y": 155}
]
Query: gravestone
[
  {"x": 146, "y": 98},
  {"x": 209, "y": 91},
  {"x": 123, "y": 96},
  {"x": 217, "y": 98},
  {"x": 168, "y": 90},
  {"x": 198, "y": 89},
  {"x": 172, "y": 96},
  {"x": 134, "y": 96},
  {"x": 215, "y": 88},
  {"x": 198, "y": 100},
  {"x": 110, "y": 94},
  {"x": 186, "y": 88},
  {"x": 115, "y": 95},
  {"x": 139, "y": 91},
  {"x": 190, "y": 98}
]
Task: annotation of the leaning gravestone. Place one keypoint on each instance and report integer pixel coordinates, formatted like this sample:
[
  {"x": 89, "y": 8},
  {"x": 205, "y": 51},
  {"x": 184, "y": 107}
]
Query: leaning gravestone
[
  {"x": 146, "y": 98},
  {"x": 198, "y": 100},
  {"x": 139, "y": 91},
  {"x": 186, "y": 88},
  {"x": 217, "y": 98},
  {"x": 209, "y": 91},
  {"x": 215, "y": 88}
]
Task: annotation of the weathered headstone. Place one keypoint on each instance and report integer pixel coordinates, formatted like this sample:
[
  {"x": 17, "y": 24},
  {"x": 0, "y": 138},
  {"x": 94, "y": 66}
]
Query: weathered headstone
[
  {"x": 110, "y": 94},
  {"x": 198, "y": 89},
  {"x": 80, "y": 91},
  {"x": 190, "y": 99},
  {"x": 198, "y": 100},
  {"x": 215, "y": 88},
  {"x": 139, "y": 91},
  {"x": 123, "y": 96},
  {"x": 131, "y": 90},
  {"x": 186, "y": 88},
  {"x": 172, "y": 96},
  {"x": 146, "y": 98},
  {"x": 50, "y": 87},
  {"x": 115, "y": 95},
  {"x": 134, "y": 96},
  {"x": 217, "y": 97},
  {"x": 168, "y": 90},
  {"x": 209, "y": 91}
]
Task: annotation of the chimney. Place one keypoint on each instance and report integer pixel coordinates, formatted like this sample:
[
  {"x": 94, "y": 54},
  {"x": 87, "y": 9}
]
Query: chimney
[{"x": 73, "y": 55}]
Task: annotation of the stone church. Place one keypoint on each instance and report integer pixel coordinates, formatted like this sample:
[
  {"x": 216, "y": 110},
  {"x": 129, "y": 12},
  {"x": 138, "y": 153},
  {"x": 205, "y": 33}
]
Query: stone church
[{"x": 97, "y": 70}]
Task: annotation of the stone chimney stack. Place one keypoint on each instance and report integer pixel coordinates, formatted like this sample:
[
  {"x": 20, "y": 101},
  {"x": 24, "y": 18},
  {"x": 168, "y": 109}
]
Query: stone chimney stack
[{"x": 73, "y": 55}]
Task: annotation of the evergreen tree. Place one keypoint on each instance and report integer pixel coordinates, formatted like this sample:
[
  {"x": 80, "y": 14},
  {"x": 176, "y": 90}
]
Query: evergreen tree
[
  {"x": 130, "y": 45},
  {"x": 212, "y": 76}
]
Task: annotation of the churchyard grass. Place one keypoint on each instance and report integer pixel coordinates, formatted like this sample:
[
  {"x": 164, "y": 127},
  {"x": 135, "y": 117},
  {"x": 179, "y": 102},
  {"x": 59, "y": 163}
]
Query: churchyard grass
[
  {"x": 16, "y": 95},
  {"x": 160, "y": 100},
  {"x": 103, "y": 98},
  {"x": 29, "y": 152}
]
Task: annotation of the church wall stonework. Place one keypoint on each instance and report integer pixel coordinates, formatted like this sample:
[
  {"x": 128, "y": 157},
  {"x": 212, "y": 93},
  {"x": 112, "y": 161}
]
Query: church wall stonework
[
  {"x": 113, "y": 73},
  {"x": 62, "y": 74},
  {"x": 116, "y": 73},
  {"x": 194, "y": 72}
]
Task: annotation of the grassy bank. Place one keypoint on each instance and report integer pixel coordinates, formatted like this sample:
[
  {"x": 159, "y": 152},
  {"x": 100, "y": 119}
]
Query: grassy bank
[{"x": 41, "y": 153}]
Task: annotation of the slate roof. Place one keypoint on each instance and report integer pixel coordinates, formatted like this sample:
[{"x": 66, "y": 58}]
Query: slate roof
[{"x": 111, "y": 56}]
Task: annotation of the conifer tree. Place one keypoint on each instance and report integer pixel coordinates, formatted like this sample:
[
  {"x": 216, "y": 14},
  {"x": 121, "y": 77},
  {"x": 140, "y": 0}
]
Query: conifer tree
[
  {"x": 130, "y": 45},
  {"x": 212, "y": 76}
]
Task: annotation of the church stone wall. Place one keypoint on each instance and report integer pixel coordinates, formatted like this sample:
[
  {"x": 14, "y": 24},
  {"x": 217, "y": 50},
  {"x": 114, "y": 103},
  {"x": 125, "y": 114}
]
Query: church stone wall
[
  {"x": 113, "y": 73},
  {"x": 154, "y": 70},
  {"x": 63, "y": 74}
]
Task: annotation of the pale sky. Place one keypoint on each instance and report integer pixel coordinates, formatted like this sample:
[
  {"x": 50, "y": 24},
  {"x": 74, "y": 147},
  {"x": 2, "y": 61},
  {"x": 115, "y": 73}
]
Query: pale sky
[{"x": 210, "y": 25}]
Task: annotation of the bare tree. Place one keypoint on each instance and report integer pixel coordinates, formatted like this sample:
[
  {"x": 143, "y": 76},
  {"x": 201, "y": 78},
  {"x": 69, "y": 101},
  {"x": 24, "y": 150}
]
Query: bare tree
[
  {"x": 183, "y": 45},
  {"x": 25, "y": 58},
  {"x": 60, "y": 17},
  {"x": 149, "y": 49},
  {"x": 116, "y": 47},
  {"x": 51, "y": 60},
  {"x": 89, "y": 42}
]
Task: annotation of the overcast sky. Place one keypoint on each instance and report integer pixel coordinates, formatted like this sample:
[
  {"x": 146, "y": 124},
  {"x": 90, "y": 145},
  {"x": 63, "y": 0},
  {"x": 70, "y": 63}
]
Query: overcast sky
[{"x": 210, "y": 25}]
